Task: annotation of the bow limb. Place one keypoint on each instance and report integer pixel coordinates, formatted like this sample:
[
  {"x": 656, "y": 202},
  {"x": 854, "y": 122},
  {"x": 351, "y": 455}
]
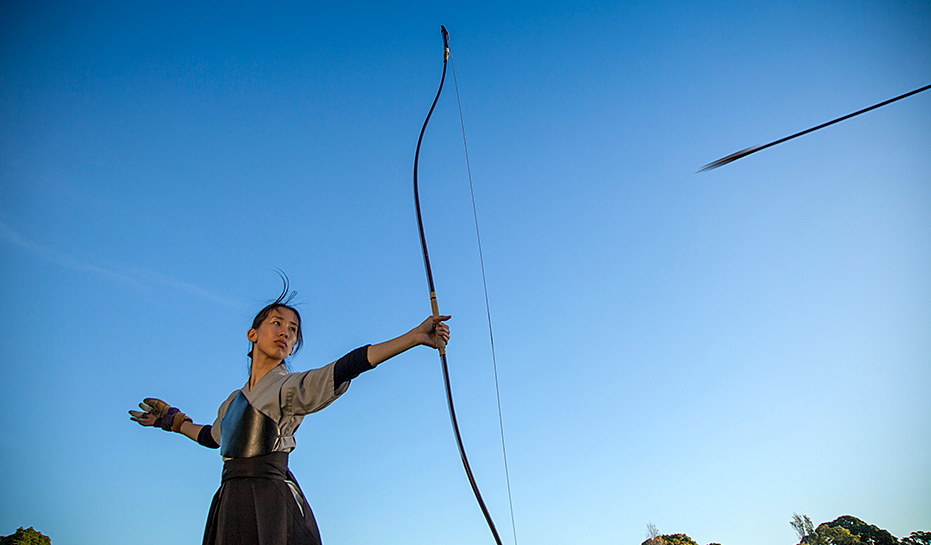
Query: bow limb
[
  {"x": 435, "y": 306},
  {"x": 441, "y": 345}
]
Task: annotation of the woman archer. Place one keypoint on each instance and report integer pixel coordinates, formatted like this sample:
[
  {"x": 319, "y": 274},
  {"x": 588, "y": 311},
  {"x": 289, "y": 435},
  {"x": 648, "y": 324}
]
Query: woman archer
[{"x": 259, "y": 501}]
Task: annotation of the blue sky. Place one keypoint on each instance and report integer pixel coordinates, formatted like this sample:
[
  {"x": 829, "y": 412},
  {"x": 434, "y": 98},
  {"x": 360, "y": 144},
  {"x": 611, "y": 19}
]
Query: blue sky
[{"x": 707, "y": 352}]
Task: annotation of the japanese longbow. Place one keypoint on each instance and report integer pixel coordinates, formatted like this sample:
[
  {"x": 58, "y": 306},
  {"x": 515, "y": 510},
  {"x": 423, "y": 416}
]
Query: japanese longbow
[{"x": 433, "y": 303}]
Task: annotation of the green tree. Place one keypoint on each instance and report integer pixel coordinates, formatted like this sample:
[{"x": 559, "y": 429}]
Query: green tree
[
  {"x": 832, "y": 535},
  {"x": 867, "y": 533},
  {"x": 654, "y": 538},
  {"x": 26, "y": 537},
  {"x": 917, "y": 538},
  {"x": 678, "y": 539},
  {"x": 825, "y": 534}
]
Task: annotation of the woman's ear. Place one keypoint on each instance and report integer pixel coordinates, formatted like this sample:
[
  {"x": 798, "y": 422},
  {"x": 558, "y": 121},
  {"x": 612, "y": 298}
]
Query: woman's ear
[{"x": 252, "y": 335}]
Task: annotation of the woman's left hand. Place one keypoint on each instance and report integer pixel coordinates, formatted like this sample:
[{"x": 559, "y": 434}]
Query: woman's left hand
[
  {"x": 430, "y": 329},
  {"x": 426, "y": 334}
]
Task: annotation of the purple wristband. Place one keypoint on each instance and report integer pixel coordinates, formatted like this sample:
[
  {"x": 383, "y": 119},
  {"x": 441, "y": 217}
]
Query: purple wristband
[{"x": 166, "y": 420}]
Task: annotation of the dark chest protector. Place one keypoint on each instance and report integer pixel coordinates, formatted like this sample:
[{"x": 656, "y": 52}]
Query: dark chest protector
[{"x": 245, "y": 432}]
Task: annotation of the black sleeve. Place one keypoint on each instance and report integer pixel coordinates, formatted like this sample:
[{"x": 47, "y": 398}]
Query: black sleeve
[
  {"x": 206, "y": 438},
  {"x": 350, "y": 366}
]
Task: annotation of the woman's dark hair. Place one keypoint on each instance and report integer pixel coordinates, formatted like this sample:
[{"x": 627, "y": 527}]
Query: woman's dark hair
[{"x": 283, "y": 301}]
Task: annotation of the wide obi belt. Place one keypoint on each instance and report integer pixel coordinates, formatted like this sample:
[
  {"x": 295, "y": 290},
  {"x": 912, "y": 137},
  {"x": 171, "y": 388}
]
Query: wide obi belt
[
  {"x": 272, "y": 466},
  {"x": 260, "y": 503},
  {"x": 245, "y": 432}
]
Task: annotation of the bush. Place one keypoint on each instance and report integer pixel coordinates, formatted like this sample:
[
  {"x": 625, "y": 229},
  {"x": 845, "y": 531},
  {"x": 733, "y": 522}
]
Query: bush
[{"x": 29, "y": 536}]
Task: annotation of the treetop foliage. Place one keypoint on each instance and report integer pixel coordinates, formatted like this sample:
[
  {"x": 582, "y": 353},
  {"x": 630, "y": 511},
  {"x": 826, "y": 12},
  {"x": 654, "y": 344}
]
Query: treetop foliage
[
  {"x": 28, "y": 536},
  {"x": 917, "y": 538},
  {"x": 867, "y": 533},
  {"x": 678, "y": 539},
  {"x": 845, "y": 530},
  {"x": 849, "y": 530},
  {"x": 670, "y": 539}
]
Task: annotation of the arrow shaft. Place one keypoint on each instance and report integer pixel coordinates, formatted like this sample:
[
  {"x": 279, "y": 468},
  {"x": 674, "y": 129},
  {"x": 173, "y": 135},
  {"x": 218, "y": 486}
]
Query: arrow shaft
[{"x": 741, "y": 154}]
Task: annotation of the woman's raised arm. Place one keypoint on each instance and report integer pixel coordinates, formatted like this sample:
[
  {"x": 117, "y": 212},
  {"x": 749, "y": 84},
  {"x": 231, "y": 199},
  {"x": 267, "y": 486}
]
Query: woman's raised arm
[{"x": 424, "y": 334}]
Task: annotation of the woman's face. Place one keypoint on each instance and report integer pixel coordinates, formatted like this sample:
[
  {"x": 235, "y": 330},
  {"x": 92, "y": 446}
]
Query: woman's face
[{"x": 276, "y": 335}]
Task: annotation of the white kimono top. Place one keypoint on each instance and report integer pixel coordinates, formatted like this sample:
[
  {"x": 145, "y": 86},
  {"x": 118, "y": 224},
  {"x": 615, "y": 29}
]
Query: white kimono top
[{"x": 286, "y": 398}]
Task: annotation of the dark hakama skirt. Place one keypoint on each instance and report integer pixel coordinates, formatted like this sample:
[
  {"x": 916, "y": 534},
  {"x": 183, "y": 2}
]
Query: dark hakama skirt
[{"x": 256, "y": 506}]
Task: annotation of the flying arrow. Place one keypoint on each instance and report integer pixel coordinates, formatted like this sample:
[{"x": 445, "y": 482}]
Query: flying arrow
[{"x": 743, "y": 153}]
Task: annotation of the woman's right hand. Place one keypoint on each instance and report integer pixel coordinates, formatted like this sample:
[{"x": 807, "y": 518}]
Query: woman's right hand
[
  {"x": 158, "y": 413},
  {"x": 144, "y": 419}
]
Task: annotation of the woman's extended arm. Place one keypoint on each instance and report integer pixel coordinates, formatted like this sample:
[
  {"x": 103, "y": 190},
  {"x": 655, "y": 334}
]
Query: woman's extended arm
[
  {"x": 424, "y": 334},
  {"x": 191, "y": 429}
]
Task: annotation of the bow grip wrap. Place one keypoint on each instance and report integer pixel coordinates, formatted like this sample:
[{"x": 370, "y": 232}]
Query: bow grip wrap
[{"x": 440, "y": 343}]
